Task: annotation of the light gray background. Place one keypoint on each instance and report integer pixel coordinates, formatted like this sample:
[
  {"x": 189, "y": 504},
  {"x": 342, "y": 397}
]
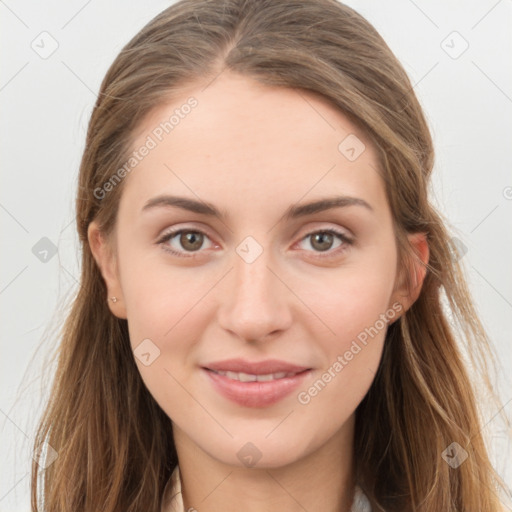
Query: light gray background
[{"x": 46, "y": 103}]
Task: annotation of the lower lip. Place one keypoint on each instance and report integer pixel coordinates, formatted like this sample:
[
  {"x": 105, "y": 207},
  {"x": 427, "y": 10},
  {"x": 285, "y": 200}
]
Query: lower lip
[{"x": 255, "y": 394}]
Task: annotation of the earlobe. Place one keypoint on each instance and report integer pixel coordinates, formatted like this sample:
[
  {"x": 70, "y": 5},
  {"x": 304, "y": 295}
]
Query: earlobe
[{"x": 106, "y": 260}]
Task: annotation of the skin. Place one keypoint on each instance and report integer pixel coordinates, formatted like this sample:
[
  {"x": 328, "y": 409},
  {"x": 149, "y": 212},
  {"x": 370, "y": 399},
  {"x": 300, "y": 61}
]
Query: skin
[{"x": 253, "y": 151}]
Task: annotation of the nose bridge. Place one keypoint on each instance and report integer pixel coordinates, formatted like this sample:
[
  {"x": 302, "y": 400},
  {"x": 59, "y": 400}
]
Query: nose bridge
[{"x": 256, "y": 302}]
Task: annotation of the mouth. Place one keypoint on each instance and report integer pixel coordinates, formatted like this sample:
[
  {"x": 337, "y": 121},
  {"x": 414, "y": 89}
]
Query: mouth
[{"x": 255, "y": 390}]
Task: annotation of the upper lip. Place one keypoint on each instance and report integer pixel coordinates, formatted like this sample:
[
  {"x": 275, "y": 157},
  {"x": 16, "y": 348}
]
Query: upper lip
[{"x": 256, "y": 368}]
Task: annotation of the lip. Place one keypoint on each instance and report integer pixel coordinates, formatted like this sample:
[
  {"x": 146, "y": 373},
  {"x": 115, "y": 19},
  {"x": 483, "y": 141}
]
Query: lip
[
  {"x": 255, "y": 394},
  {"x": 255, "y": 368}
]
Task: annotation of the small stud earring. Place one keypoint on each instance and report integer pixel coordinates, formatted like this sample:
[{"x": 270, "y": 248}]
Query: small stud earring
[{"x": 113, "y": 299}]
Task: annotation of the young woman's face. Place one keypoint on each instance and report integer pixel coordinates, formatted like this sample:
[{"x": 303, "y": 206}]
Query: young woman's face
[{"x": 265, "y": 278}]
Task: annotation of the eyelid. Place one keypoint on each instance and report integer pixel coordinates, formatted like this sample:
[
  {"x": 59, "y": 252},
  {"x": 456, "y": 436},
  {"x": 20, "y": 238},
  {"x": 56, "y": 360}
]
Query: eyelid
[
  {"x": 177, "y": 228},
  {"x": 322, "y": 227}
]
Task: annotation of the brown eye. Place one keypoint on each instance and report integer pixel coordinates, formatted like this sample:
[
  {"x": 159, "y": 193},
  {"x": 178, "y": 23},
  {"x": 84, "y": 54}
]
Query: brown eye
[
  {"x": 183, "y": 242},
  {"x": 322, "y": 241},
  {"x": 191, "y": 240}
]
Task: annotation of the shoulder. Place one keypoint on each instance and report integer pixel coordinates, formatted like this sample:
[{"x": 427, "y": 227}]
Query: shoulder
[
  {"x": 172, "y": 500},
  {"x": 361, "y": 502}
]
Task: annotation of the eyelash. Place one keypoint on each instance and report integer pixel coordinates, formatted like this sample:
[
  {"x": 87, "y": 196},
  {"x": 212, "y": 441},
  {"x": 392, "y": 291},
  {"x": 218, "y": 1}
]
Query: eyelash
[{"x": 346, "y": 242}]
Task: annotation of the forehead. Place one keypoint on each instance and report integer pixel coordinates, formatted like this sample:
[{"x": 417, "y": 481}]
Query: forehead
[{"x": 247, "y": 141}]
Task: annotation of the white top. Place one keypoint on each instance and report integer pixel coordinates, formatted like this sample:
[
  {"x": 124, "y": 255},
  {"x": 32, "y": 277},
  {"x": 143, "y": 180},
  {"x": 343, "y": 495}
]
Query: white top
[{"x": 173, "y": 501}]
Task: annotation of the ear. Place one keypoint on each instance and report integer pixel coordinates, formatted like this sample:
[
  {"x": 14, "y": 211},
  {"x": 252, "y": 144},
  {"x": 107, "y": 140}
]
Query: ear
[
  {"x": 410, "y": 277},
  {"x": 106, "y": 259}
]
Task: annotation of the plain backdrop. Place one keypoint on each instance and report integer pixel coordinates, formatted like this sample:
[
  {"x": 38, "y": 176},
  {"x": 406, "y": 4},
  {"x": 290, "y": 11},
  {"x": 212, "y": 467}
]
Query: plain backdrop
[{"x": 54, "y": 57}]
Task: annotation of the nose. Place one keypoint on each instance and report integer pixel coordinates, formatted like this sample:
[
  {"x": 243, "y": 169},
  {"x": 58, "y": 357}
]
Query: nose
[{"x": 257, "y": 300}]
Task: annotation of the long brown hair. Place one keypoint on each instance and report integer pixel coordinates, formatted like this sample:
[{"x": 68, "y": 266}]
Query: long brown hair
[{"x": 114, "y": 443}]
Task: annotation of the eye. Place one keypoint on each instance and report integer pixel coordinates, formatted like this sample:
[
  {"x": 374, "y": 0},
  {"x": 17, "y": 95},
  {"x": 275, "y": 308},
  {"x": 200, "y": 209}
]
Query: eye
[
  {"x": 322, "y": 241},
  {"x": 190, "y": 240}
]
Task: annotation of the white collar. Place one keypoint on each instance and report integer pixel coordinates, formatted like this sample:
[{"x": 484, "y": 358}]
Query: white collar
[{"x": 173, "y": 501}]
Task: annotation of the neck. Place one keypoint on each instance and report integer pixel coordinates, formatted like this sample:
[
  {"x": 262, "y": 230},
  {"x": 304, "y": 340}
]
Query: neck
[{"x": 321, "y": 480}]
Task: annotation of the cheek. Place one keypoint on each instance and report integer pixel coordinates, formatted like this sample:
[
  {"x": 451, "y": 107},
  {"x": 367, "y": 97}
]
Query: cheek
[
  {"x": 167, "y": 317},
  {"x": 352, "y": 351},
  {"x": 159, "y": 296},
  {"x": 349, "y": 299},
  {"x": 354, "y": 306},
  {"x": 358, "y": 317}
]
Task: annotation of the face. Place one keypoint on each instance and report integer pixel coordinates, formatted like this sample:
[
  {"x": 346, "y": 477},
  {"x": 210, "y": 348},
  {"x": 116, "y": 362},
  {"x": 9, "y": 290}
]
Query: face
[{"x": 263, "y": 278}]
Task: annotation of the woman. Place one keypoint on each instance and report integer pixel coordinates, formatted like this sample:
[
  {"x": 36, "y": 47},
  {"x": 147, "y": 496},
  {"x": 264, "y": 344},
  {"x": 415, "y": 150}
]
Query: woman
[{"x": 260, "y": 321}]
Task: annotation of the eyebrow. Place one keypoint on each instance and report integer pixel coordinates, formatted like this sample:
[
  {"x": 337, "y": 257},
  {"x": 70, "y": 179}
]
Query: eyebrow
[{"x": 293, "y": 212}]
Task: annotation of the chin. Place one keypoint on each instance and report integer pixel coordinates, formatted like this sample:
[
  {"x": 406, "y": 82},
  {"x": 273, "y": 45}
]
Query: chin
[{"x": 257, "y": 452}]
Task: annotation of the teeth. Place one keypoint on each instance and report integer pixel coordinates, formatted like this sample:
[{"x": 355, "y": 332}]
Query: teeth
[
  {"x": 248, "y": 377},
  {"x": 244, "y": 377},
  {"x": 265, "y": 378}
]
